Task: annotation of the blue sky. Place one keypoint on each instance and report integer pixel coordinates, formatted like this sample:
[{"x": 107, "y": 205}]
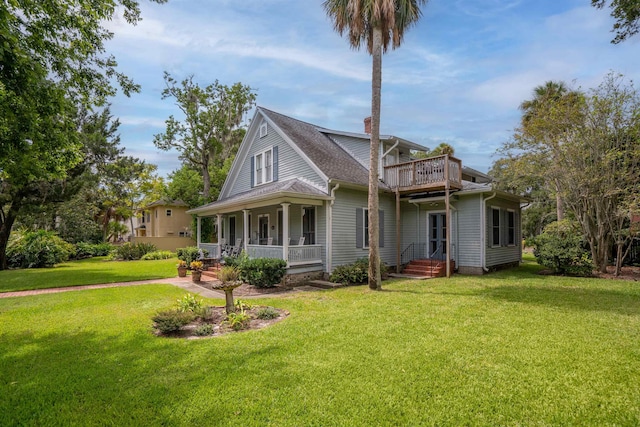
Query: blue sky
[{"x": 458, "y": 78}]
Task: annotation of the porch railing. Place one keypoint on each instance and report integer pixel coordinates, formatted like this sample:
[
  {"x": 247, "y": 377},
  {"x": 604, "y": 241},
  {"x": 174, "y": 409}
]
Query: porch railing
[
  {"x": 212, "y": 248},
  {"x": 424, "y": 173},
  {"x": 305, "y": 254},
  {"x": 264, "y": 251},
  {"x": 413, "y": 251}
]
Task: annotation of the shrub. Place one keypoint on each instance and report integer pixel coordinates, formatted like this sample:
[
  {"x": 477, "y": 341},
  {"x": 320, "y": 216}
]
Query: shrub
[
  {"x": 229, "y": 273},
  {"x": 356, "y": 273},
  {"x": 90, "y": 250},
  {"x": 37, "y": 249},
  {"x": 561, "y": 248},
  {"x": 157, "y": 255},
  {"x": 263, "y": 272},
  {"x": 204, "y": 330},
  {"x": 267, "y": 313},
  {"x": 132, "y": 251},
  {"x": 242, "y": 305},
  {"x": 238, "y": 321},
  {"x": 190, "y": 254},
  {"x": 189, "y": 303},
  {"x": 170, "y": 321}
]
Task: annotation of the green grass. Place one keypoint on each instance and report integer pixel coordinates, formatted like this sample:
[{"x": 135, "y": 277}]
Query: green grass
[
  {"x": 86, "y": 272},
  {"x": 511, "y": 348}
]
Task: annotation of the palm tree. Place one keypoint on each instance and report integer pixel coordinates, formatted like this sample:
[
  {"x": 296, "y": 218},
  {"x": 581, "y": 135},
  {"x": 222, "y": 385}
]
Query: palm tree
[
  {"x": 378, "y": 24},
  {"x": 545, "y": 98}
]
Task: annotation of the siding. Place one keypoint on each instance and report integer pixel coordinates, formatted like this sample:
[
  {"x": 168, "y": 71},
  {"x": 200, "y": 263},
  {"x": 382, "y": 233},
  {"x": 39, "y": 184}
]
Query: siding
[
  {"x": 469, "y": 230},
  {"x": 358, "y": 147},
  {"x": 291, "y": 164},
  {"x": 503, "y": 254},
  {"x": 344, "y": 227}
]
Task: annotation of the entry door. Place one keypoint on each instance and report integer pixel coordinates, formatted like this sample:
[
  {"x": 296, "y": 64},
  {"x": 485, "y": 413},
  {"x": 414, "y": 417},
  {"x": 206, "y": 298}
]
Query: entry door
[
  {"x": 309, "y": 225},
  {"x": 263, "y": 227},
  {"x": 437, "y": 236}
]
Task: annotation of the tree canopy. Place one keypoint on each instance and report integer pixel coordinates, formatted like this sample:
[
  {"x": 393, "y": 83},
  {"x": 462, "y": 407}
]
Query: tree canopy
[
  {"x": 627, "y": 16},
  {"x": 211, "y": 129}
]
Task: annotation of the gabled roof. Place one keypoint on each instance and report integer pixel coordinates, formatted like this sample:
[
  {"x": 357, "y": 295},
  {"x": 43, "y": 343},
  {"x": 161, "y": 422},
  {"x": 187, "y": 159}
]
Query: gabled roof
[{"x": 334, "y": 162}]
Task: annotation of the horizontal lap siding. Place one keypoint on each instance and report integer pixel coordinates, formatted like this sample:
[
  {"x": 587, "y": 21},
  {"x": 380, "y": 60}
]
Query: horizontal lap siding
[
  {"x": 290, "y": 163},
  {"x": 503, "y": 254},
  {"x": 359, "y": 147},
  {"x": 469, "y": 231},
  {"x": 344, "y": 227}
]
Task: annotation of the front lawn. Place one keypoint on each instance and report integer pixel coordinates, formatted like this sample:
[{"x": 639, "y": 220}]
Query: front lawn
[
  {"x": 511, "y": 348},
  {"x": 86, "y": 272}
]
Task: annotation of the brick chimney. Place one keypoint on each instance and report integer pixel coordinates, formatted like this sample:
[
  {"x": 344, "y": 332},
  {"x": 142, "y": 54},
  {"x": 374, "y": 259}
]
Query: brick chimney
[{"x": 367, "y": 125}]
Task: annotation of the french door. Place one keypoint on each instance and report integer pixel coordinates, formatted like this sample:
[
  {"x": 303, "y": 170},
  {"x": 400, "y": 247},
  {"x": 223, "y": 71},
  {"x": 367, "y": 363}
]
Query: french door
[{"x": 437, "y": 236}]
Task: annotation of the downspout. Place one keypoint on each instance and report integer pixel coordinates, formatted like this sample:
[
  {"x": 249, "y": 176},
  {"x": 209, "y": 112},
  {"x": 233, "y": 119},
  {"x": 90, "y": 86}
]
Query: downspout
[
  {"x": 330, "y": 229},
  {"x": 483, "y": 231}
]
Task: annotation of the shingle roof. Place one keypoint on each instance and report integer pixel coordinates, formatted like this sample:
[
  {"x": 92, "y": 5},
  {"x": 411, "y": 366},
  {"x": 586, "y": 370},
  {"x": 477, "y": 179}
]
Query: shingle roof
[
  {"x": 328, "y": 156},
  {"x": 273, "y": 189}
]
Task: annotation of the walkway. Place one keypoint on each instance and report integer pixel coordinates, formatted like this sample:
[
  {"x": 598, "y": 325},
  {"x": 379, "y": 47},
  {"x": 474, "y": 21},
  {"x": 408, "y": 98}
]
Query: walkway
[{"x": 203, "y": 289}]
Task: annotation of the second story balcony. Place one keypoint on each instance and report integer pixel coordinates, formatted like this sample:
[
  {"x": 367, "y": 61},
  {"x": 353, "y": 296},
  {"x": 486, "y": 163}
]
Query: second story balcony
[{"x": 432, "y": 174}]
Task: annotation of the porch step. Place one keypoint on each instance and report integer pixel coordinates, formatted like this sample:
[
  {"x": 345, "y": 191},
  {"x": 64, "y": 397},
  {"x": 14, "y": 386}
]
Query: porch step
[
  {"x": 322, "y": 284},
  {"x": 211, "y": 272},
  {"x": 427, "y": 268}
]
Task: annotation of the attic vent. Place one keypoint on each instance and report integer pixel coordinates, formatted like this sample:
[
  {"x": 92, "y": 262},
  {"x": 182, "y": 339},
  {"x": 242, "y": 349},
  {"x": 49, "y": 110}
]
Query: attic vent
[{"x": 263, "y": 129}]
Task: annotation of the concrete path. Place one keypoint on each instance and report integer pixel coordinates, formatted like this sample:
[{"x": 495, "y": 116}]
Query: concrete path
[{"x": 202, "y": 289}]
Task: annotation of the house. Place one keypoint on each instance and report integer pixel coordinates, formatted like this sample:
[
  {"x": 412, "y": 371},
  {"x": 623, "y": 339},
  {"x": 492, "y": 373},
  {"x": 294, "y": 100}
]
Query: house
[
  {"x": 166, "y": 224},
  {"x": 298, "y": 191}
]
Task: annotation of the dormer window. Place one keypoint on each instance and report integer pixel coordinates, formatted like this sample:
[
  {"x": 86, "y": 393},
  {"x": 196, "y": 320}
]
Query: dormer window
[{"x": 263, "y": 129}]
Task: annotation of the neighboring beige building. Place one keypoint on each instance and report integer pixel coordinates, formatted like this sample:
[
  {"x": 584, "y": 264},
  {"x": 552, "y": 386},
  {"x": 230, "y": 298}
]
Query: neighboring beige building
[{"x": 166, "y": 224}]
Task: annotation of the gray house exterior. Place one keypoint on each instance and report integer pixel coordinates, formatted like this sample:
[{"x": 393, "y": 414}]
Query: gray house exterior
[{"x": 298, "y": 191}]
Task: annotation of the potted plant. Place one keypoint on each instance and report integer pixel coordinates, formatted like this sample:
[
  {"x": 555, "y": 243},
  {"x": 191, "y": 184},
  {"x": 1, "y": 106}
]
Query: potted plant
[
  {"x": 196, "y": 270},
  {"x": 229, "y": 277},
  {"x": 182, "y": 268}
]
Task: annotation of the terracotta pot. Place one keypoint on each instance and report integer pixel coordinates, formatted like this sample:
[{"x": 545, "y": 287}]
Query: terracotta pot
[
  {"x": 182, "y": 271},
  {"x": 196, "y": 275}
]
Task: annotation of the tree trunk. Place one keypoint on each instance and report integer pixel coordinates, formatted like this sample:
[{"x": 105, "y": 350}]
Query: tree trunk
[
  {"x": 6, "y": 225},
  {"x": 206, "y": 179},
  {"x": 559, "y": 205},
  {"x": 373, "y": 205}
]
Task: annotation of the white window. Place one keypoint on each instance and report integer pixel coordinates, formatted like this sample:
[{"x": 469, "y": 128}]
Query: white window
[
  {"x": 263, "y": 129},
  {"x": 263, "y": 167},
  {"x": 495, "y": 227}
]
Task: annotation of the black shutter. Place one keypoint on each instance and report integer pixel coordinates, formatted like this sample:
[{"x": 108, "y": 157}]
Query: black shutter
[
  {"x": 359, "y": 228},
  {"x": 275, "y": 163},
  {"x": 381, "y": 228},
  {"x": 253, "y": 170}
]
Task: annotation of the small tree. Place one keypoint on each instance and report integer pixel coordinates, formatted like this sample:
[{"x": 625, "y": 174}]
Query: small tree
[{"x": 562, "y": 248}]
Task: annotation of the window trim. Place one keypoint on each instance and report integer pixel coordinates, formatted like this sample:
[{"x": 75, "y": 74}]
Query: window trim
[
  {"x": 261, "y": 174},
  {"x": 496, "y": 226},
  {"x": 169, "y": 212},
  {"x": 264, "y": 129}
]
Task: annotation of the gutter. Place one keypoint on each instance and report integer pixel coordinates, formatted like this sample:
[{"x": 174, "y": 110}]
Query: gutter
[{"x": 483, "y": 231}]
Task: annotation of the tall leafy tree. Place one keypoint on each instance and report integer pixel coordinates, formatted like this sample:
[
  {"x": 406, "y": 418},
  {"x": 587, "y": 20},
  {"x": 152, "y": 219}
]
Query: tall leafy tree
[
  {"x": 53, "y": 59},
  {"x": 211, "y": 129},
  {"x": 627, "y": 16},
  {"x": 377, "y": 24}
]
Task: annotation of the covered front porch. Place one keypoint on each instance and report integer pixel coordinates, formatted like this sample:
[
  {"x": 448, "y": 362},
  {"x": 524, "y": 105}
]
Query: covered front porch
[{"x": 277, "y": 224}]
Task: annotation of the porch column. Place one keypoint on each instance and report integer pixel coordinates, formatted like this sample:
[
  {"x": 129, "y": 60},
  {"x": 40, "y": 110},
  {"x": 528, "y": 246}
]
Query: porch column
[
  {"x": 398, "y": 234},
  {"x": 245, "y": 229},
  {"x": 285, "y": 231},
  {"x": 219, "y": 225},
  {"x": 199, "y": 230},
  {"x": 448, "y": 213}
]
